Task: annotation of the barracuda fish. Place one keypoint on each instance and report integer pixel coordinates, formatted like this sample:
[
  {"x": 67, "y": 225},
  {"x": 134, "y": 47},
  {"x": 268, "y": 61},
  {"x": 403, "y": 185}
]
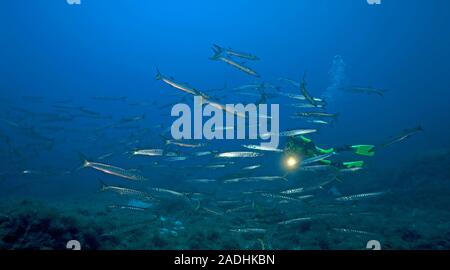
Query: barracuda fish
[
  {"x": 179, "y": 86},
  {"x": 238, "y": 155},
  {"x": 228, "y": 202},
  {"x": 280, "y": 197},
  {"x": 253, "y": 167},
  {"x": 203, "y": 181},
  {"x": 344, "y": 230},
  {"x": 294, "y": 221},
  {"x": 232, "y": 52},
  {"x": 292, "y": 191},
  {"x": 305, "y": 92},
  {"x": 240, "y": 208},
  {"x": 296, "y": 132},
  {"x": 182, "y": 144},
  {"x": 177, "y": 158},
  {"x": 255, "y": 179},
  {"x": 351, "y": 169},
  {"x": 262, "y": 148},
  {"x": 105, "y": 156},
  {"x": 148, "y": 152},
  {"x": 321, "y": 122},
  {"x": 316, "y": 168},
  {"x": 112, "y": 170},
  {"x": 317, "y": 114},
  {"x": 404, "y": 135},
  {"x": 216, "y": 166},
  {"x": 316, "y": 158},
  {"x": 132, "y": 119},
  {"x": 126, "y": 191},
  {"x": 365, "y": 90},
  {"x": 224, "y": 108},
  {"x": 168, "y": 192},
  {"x": 249, "y": 86},
  {"x": 248, "y": 230},
  {"x": 302, "y": 106},
  {"x": 360, "y": 196},
  {"x": 127, "y": 207},
  {"x": 202, "y": 153},
  {"x": 305, "y": 197},
  {"x": 303, "y": 98},
  {"x": 218, "y": 57}
]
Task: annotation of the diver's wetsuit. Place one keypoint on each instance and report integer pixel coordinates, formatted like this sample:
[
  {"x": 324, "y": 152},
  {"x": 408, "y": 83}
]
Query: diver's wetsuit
[{"x": 300, "y": 145}]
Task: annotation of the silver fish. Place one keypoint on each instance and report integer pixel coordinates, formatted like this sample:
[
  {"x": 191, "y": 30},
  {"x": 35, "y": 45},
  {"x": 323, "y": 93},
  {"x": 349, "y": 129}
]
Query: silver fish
[
  {"x": 263, "y": 148},
  {"x": 360, "y": 196},
  {"x": 108, "y": 169},
  {"x": 148, "y": 152},
  {"x": 238, "y": 155},
  {"x": 317, "y": 158}
]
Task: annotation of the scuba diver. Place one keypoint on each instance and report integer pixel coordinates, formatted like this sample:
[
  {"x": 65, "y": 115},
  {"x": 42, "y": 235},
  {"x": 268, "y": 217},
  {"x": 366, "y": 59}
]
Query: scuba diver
[{"x": 300, "y": 147}]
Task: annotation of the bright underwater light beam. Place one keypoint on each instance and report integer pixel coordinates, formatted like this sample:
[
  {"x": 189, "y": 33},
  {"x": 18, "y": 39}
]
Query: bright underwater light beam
[{"x": 291, "y": 162}]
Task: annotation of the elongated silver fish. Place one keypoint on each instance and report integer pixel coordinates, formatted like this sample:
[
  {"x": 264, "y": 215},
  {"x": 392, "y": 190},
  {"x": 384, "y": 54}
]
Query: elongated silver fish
[
  {"x": 306, "y": 94},
  {"x": 297, "y": 132},
  {"x": 202, "y": 180},
  {"x": 127, "y": 207},
  {"x": 183, "y": 144},
  {"x": 215, "y": 166},
  {"x": 127, "y": 191},
  {"x": 292, "y": 191},
  {"x": 262, "y": 148},
  {"x": 232, "y": 52},
  {"x": 202, "y": 153},
  {"x": 218, "y": 56},
  {"x": 177, "y": 85},
  {"x": 255, "y": 179},
  {"x": 248, "y": 230},
  {"x": 175, "y": 158},
  {"x": 317, "y": 168},
  {"x": 252, "y": 167},
  {"x": 317, "y": 114},
  {"x": 294, "y": 221},
  {"x": 148, "y": 152},
  {"x": 317, "y": 121},
  {"x": 238, "y": 154},
  {"x": 360, "y": 196},
  {"x": 112, "y": 170},
  {"x": 168, "y": 191},
  {"x": 280, "y": 197},
  {"x": 317, "y": 158},
  {"x": 345, "y": 230}
]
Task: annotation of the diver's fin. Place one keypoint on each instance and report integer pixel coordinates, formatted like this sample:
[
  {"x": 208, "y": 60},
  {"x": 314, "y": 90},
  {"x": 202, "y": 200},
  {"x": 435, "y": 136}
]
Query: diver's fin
[
  {"x": 364, "y": 149},
  {"x": 353, "y": 164}
]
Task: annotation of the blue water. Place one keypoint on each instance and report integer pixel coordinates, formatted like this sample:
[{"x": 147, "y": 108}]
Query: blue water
[{"x": 56, "y": 58}]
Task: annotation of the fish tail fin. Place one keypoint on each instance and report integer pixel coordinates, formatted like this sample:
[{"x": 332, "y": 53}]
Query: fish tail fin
[
  {"x": 158, "y": 75},
  {"x": 84, "y": 160},
  {"x": 420, "y": 128},
  {"x": 102, "y": 185},
  {"x": 217, "y": 52},
  {"x": 164, "y": 138}
]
